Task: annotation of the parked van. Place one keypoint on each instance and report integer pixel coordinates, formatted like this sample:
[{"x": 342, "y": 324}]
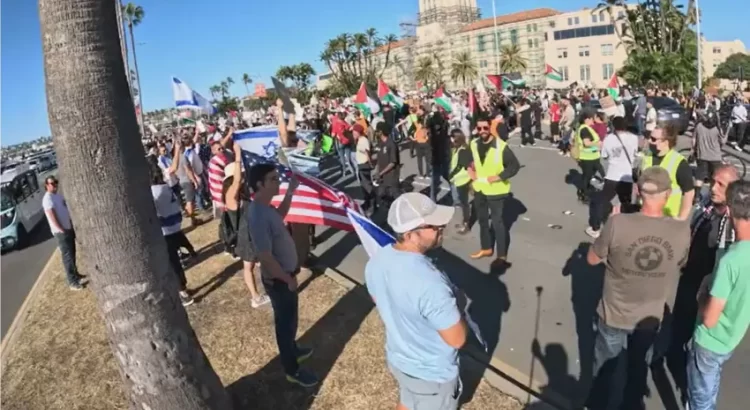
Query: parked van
[{"x": 20, "y": 205}]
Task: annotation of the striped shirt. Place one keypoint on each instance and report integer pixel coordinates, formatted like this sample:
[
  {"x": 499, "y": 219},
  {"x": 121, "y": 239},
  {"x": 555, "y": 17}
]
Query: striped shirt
[
  {"x": 167, "y": 209},
  {"x": 216, "y": 177}
]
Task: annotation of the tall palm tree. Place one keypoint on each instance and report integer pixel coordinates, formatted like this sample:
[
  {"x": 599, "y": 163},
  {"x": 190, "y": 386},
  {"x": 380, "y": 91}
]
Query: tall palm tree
[
  {"x": 360, "y": 41},
  {"x": 389, "y": 40},
  {"x": 224, "y": 86},
  {"x": 133, "y": 15},
  {"x": 426, "y": 71},
  {"x": 215, "y": 90},
  {"x": 229, "y": 82},
  {"x": 247, "y": 80},
  {"x": 463, "y": 68},
  {"x": 161, "y": 363},
  {"x": 511, "y": 59}
]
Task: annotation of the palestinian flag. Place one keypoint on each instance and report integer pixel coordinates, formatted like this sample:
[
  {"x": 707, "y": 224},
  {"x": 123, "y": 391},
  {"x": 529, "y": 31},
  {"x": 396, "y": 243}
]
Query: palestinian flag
[
  {"x": 444, "y": 99},
  {"x": 503, "y": 81},
  {"x": 421, "y": 87},
  {"x": 613, "y": 88},
  {"x": 366, "y": 101},
  {"x": 387, "y": 96},
  {"x": 552, "y": 74}
]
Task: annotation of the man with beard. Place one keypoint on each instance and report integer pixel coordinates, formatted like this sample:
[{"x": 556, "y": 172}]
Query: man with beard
[
  {"x": 712, "y": 233},
  {"x": 494, "y": 164},
  {"x": 423, "y": 324}
]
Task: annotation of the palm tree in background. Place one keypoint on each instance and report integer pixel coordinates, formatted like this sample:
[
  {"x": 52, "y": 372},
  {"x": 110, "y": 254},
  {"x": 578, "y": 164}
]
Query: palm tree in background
[
  {"x": 463, "y": 68},
  {"x": 215, "y": 90},
  {"x": 426, "y": 71},
  {"x": 229, "y": 82},
  {"x": 224, "y": 87},
  {"x": 247, "y": 81},
  {"x": 511, "y": 59},
  {"x": 133, "y": 15}
]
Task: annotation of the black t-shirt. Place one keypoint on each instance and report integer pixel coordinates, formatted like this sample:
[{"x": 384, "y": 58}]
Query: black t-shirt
[
  {"x": 703, "y": 246},
  {"x": 684, "y": 175},
  {"x": 389, "y": 155},
  {"x": 439, "y": 140}
]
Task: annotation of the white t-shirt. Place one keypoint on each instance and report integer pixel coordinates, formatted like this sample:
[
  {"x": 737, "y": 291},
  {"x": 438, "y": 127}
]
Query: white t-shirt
[
  {"x": 619, "y": 168},
  {"x": 167, "y": 209},
  {"x": 57, "y": 203}
]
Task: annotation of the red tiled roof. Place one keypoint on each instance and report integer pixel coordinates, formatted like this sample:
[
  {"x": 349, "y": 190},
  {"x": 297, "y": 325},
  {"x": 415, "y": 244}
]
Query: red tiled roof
[
  {"x": 510, "y": 18},
  {"x": 394, "y": 45}
]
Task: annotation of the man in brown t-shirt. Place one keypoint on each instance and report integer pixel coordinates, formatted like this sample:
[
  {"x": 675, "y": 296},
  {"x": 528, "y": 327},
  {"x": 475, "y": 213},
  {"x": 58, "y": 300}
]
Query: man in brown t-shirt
[{"x": 643, "y": 254}]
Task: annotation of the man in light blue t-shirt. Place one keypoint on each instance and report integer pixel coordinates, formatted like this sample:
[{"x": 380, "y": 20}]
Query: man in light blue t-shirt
[{"x": 423, "y": 325}]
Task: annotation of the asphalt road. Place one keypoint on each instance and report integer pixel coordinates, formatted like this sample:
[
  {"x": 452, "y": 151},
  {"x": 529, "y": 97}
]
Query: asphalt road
[
  {"x": 547, "y": 298},
  {"x": 19, "y": 270}
]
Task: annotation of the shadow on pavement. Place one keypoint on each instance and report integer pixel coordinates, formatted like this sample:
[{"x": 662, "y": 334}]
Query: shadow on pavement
[
  {"x": 268, "y": 387},
  {"x": 554, "y": 360},
  {"x": 586, "y": 284},
  {"x": 217, "y": 281},
  {"x": 40, "y": 234},
  {"x": 490, "y": 300}
]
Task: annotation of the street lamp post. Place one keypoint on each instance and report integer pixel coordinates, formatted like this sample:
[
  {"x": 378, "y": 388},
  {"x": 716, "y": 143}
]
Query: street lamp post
[
  {"x": 700, "y": 45},
  {"x": 497, "y": 42}
]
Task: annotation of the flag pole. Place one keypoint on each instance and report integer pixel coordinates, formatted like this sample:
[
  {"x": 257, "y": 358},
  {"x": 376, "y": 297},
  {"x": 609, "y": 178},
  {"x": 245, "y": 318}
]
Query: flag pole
[{"x": 497, "y": 43}]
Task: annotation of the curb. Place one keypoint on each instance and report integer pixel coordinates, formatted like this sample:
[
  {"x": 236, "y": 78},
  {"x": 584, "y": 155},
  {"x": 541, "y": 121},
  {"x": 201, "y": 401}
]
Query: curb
[
  {"x": 13, "y": 330},
  {"x": 498, "y": 374}
]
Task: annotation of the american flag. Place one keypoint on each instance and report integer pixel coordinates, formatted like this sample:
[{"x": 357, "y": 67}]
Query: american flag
[{"x": 314, "y": 201}]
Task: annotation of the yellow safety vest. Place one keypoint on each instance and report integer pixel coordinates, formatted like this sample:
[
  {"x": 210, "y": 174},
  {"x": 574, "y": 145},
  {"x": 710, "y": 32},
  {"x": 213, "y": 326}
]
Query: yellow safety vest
[
  {"x": 462, "y": 177},
  {"x": 492, "y": 166},
  {"x": 670, "y": 162},
  {"x": 591, "y": 152}
]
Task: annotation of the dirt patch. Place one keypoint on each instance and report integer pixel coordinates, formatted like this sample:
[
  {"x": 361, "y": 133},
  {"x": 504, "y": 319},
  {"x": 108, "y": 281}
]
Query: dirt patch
[{"x": 62, "y": 359}]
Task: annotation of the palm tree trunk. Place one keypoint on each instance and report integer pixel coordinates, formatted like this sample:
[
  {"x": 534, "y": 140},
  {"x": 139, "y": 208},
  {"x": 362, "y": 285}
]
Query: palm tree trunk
[
  {"x": 161, "y": 362},
  {"x": 247, "y": 89},
  {"x": 138, "y": 77},
  {"x": 123, "y": 41}
]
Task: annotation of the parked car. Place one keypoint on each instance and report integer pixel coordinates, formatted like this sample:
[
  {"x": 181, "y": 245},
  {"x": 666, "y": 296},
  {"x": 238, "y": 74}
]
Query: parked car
[{"x": 667, "y": 111}]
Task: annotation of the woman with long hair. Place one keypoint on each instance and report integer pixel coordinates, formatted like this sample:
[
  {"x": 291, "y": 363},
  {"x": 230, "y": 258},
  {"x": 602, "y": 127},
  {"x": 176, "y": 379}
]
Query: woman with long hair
[{"x": 236, "y": 198}]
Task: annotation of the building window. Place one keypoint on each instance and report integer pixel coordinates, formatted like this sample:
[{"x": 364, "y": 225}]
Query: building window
[
  {"x": 594, "y": 18},
  {"x": 536, "y": 43},
  {"x": 562, "y": 53},
  {"x": 564, "y": 72},
  {"x": 584, "y": 32},
  {"x": 570, "y": 21},
  {"x": 531, "y": 44},
  {"x": 607, "y": 49},
  {"x": 576, "y": 20},
  {"x": 583, "y": 51},
  {"x": 545, "y": 36},
  {"x": 585, "y": 72},
  {"x": 552, "y": 24},
  {"x": 535, "y": 27},
  {"x": 717, "y": 50},
  {"x": 528, "y": 28},
  {"x": 602, "y": 17},
  {"x": 514, "y": 37},
  {"x": 607, "y": 71},
  {"x": 480, "y": 43},
  {"x": 483, "y": 64}
]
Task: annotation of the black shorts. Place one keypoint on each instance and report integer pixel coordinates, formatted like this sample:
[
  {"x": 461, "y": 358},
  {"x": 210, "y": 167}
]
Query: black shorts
[
  {"x": 554, "y": 128},
  {"x": 705, "y": 169}
]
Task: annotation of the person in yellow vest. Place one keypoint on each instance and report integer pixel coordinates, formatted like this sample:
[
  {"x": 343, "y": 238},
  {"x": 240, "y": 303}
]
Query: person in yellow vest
[
  {"x": 662, "y": 154},
  {"x": 459, "y": 176},
  {"x": 588, "y": 143},
  {"x": 494, "y": 164}
]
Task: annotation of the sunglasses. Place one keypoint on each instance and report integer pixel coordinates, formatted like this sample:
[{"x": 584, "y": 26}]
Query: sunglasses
[
  {"x": 483, "y": 128},
  {"x": 432, "y": 228}
]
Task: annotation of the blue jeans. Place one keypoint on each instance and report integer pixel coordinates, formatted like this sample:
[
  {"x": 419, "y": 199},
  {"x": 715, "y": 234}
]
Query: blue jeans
[
  {"x": 619, "y": 352},
  {"x": 441, "y": 171},
  {"x": 345, "y": 157},
  {"x": 66, "y": 241},
  {"x": 704, "y": 376},
  {"x": 285, "y": 304}
]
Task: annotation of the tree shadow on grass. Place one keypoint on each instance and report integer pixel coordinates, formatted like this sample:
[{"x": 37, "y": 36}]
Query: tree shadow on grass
[
  {"x": 268, "y": 388},
  {"x": 217, "y": 280}
]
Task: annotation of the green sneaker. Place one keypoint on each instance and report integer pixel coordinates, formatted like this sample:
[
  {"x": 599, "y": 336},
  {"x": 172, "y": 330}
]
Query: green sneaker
[
  {"x": 303, "y": 378},
  {"x": 304, "y": 353}
]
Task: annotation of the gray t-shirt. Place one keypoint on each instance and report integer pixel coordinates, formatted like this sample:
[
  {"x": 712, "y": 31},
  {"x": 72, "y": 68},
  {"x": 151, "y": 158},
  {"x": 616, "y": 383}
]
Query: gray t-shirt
[
  {"x": 708, "y": 143},
  {"x": 181, "y": 171},
  {"x": 269, "y": 234},
  {"x": 643, "y": 256}
]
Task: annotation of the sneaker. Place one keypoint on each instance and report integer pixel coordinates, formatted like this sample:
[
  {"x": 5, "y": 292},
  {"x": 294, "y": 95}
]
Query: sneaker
[
  {"x": 186, "y": 299},
  {"x": 75, "y": 286},
  {"x": 592, "y": 233},
  {"x": 259, "y": 301},
  {"x": 303, "y": 378},
  {"x": 304, "y": 353}
]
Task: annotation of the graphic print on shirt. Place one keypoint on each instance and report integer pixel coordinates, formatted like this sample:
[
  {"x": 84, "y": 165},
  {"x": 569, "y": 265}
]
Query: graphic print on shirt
[{"x": 648, "y": 254}]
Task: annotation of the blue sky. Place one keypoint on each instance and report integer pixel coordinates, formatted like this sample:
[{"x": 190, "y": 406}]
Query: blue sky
[{"x": 239, "y": 36}]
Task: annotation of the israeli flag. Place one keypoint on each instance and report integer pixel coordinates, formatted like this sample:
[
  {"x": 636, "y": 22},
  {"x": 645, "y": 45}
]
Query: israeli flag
[
  {"x": 263, "y": 140},
  {"x": 374, "y": 238},
  {"x": 185, "y": 97}
]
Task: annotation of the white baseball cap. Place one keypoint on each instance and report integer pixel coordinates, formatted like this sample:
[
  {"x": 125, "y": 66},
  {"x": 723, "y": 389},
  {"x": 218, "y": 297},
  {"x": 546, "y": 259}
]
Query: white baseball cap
[{"x": 412, "y": 210}]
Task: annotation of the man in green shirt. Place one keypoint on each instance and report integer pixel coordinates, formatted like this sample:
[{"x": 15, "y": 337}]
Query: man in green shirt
[{"x": 724, "y": 315}]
